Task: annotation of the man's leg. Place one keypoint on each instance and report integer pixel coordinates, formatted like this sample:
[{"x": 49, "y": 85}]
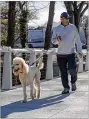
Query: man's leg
[
  {"x": 62, "y": 63},
  {"x": 73, "y": 70}
]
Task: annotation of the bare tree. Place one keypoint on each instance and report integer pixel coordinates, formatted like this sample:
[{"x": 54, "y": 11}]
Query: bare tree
[
  {"x": 4, "y": 18},
  {"x": 77, "y": 9},
  {"x": 11, "y": 23},
  {"x": 48, "y": 34}
]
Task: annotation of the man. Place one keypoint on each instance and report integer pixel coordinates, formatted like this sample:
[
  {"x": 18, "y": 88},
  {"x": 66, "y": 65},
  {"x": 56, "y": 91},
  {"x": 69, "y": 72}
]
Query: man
[{"x": 67, "y": 36}]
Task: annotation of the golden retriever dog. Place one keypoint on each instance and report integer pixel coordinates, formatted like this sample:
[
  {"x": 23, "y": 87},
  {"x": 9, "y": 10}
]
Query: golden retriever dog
[{"x": 28, "y": 75}]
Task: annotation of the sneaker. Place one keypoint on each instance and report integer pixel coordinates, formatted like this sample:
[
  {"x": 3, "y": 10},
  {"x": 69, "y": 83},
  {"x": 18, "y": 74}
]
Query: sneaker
[
  {"x": 73, "y": 86},
  {"x": 65, "y": 91}
]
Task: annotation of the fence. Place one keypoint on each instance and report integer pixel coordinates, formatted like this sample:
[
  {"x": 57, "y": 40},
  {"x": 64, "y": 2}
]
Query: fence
[{"x": 7, "y": 61}]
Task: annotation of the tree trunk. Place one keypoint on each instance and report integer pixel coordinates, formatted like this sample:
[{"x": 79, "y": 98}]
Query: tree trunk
[
  {"x": 69, "y": 7},
  {"x": 71, "y": 17},
  {"x": 23, "y": 29},
  {"x": 76, "y": 20},
  {"x": 48, "y": 34},
  {"x": 11, "y": 24}
]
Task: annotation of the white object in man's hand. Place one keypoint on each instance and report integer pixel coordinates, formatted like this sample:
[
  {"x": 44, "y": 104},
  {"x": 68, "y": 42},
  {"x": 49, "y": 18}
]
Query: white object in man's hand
[
  {"x": 81, "y": 55},
  {"x": 55, "y": 42}
]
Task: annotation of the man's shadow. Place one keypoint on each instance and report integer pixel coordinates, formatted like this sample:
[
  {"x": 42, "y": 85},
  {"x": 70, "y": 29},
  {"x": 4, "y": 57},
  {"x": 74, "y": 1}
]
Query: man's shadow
[{"x": 31, "y": 105}]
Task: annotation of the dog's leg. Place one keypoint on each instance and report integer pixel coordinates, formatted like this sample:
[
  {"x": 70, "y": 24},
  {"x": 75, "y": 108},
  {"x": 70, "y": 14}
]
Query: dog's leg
[
  {"x": 34, "y": 90},
  {"x": 37, "y": 80},
  {"x": 38, "y": 92},
  {"x": 34, "y": 93},
  {"x": 31, "y": 91},
  {"x": 24, "y": 93}
]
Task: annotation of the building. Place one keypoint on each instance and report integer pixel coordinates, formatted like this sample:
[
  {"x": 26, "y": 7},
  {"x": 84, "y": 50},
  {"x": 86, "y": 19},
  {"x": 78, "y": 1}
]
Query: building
[{"x": 36, "y": 36}]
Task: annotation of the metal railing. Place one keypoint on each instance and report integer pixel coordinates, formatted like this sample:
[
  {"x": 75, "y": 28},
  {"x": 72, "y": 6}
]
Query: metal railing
[{"x": 7, "y": 69}]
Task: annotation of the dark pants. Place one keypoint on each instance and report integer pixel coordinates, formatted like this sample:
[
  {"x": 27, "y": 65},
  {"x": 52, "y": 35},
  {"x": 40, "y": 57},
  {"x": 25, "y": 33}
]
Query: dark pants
[{"x": 65, "y": 63}]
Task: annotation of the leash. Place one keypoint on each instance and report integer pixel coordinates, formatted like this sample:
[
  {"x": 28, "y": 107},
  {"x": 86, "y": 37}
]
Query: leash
[
  {"x": 36, "y": 60},
  {"x": 39, "y": 57},
  {"x": 44, "y": 52}
]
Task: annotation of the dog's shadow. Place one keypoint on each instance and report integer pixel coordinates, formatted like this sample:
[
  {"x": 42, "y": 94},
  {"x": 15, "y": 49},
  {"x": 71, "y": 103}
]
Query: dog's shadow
[{"x": 31, "y": 105}]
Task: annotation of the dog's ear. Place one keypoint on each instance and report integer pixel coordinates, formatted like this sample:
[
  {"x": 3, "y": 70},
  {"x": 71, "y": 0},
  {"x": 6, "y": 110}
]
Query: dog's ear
[{"x": 23, "y": 68}]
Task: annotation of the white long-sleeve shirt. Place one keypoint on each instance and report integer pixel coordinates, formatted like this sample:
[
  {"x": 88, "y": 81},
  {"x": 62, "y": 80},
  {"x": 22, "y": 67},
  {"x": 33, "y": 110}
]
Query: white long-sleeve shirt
[{"x": 69, "y": 36}]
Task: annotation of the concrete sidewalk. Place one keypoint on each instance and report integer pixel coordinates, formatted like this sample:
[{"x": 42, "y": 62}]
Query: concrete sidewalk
[{"x": 51, "y": 105}]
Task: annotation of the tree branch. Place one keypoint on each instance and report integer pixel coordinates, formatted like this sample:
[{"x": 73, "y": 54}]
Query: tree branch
[
  {"x": 75, "y": 5},
  {"x": 72, "y": 3},
  {"x": 20, "y": 5},
  {"x": 24, "y": 3},
  {"x": 84, "y": 10},
  {"x": 66, "y": 4},
  {"x": 81, "y": 6},
  {"x": 78, "y": 4}
]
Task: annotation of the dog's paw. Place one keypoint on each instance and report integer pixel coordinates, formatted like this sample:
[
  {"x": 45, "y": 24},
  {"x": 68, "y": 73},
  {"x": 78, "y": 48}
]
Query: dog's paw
[
  {"x": 32, "y": 97},
  {"x": 24, "y": 101},
  {"x": 38, "y": 94},
  {"x": 38, "y": 97}
]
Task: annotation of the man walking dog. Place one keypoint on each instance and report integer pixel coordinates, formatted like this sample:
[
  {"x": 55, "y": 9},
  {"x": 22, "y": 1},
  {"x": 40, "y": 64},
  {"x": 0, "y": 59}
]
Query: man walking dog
[{"x": 66, "y": 36}]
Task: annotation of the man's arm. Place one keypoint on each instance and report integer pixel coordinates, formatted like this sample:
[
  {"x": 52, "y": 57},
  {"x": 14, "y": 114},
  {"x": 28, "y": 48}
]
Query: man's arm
[
  {"x": 78, "y": 42},
  {"x": 55, "y": 39}
]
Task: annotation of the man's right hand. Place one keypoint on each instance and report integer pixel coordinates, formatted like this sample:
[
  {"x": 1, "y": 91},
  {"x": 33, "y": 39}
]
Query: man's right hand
[{"x": 59, "y": 38}]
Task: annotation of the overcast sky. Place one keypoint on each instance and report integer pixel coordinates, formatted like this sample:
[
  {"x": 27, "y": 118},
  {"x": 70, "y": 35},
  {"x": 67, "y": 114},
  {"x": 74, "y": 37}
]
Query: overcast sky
[{"x": 43, "y": 13}]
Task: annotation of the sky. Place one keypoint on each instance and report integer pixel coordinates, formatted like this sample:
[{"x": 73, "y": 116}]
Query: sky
[{"x": 43, "y": 13}]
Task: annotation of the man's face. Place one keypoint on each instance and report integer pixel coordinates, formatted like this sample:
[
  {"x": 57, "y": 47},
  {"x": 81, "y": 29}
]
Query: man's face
[{"x": 64, "y": 21}]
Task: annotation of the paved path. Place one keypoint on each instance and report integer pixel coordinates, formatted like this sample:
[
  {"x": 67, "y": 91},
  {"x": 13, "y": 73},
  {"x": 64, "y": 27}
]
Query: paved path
[{"x": 51, "y": 105}]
